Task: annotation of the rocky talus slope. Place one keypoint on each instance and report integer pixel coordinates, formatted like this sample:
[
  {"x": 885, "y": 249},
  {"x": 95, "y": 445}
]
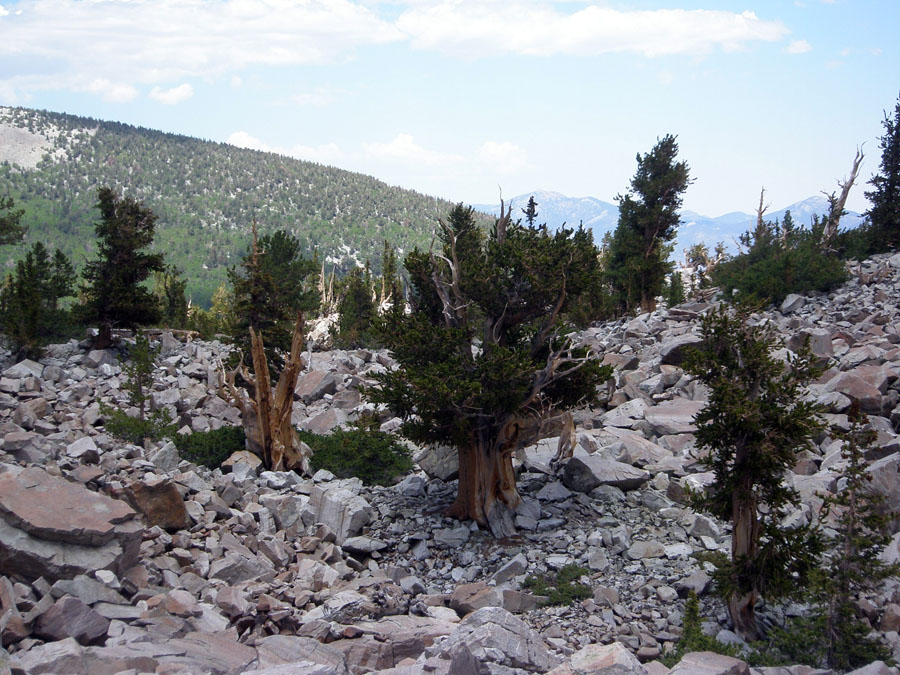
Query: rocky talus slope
[{"x": 121, "y": 559}]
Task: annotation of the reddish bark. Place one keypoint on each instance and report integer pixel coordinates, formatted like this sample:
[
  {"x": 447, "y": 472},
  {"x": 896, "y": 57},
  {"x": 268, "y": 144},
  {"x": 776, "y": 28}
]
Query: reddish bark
[{"x": 487, "y": 490}]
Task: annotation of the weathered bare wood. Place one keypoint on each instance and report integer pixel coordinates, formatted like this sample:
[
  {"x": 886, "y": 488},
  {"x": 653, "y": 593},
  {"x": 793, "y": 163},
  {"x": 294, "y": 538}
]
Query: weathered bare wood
[
  {"x": 266, "y": 413},
  {"x": 837, "y": 203}
]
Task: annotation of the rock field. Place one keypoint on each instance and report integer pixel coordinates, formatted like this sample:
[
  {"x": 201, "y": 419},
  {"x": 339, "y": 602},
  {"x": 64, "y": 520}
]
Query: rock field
[{"x": 121, "y": 559}]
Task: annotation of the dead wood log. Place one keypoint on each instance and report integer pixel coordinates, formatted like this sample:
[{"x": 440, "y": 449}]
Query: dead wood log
[{"x": 267, "y": 413}]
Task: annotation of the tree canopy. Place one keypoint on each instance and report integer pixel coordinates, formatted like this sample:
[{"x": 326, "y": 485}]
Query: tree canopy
[
  {"x": 884, "y": 216},
  {"x": 11, "y": 229},
  {"x": 113, "y": 291},
  {"x": 29, "y": 299},
  {"x": 754, "y": 423},
  {"x": 485, "y": 352},
  {"x": 273, "y": 284},
  {"x": 648, "y": 219}
]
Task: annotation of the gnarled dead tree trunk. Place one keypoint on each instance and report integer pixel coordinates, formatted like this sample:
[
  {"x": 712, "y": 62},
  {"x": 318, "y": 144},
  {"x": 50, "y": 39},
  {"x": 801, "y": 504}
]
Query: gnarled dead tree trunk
[
  {"x": 837, "y": 203},
  {"x": 267, "y": 414}
]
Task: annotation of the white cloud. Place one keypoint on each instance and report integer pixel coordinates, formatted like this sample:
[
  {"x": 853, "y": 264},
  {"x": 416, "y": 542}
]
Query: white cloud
[
  {"x": 3, "y": 11},
  {"x": 798, "y": 47},
  {"x": 403, "y": 149},
  {"x": 326, "y": 153},
  {"x": 172, "y": 96},
  {"x": 244, "y": 140},
  {"x": 503, "y": 157},
  {"x": 160, "y": 42},
  {"x": 112, "y": 92},
  {"x": 474, "y": 28}
]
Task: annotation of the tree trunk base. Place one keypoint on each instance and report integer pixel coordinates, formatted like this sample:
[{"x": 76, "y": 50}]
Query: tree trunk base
[
  {"x": 487, "y": 490},
  {"x": 743, "y": 616}
]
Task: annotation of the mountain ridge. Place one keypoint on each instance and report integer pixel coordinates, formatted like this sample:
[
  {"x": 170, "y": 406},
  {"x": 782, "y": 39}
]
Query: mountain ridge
[
  {"x": 205, "y": 194},
  {"x": 601, "y": 217}
]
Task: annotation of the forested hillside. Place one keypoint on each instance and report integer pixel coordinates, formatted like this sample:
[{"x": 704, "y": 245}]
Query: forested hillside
[{"x": 206, "y": 195}]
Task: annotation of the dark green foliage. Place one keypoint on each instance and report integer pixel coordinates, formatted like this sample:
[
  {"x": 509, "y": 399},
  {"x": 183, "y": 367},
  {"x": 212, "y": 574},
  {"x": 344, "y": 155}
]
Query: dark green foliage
[
  {"x": 206, "y": 195},
  {"x": 138, "y": 372},
  {"x": 210, "y": 448},
  {"x": 693, "y": 639},
  {"x": 156, "y": 426},
  {"x": 113, "y": 291},
  {"x": 169, "y": 287},
  {"x": 357, "y": 312},
  {"x": 561, "y": 589},
  {"x": 674, "y": 292},
  {"x": 884, "y": 215},
  {"x": 441, "y": 387},
  {"x": 530, "y": 211},
  {"x": 370, "y": 455},
  {"x": 485, "y": 343},
  {"x": 11, "y": 229},
  {"x": 648, "y": 218},
  {"x": 780, "y": 259},
  {"x": 853, "y": 567},
  {"x": 30, "y": 301},
  {"x": 754, "y": 423},
  {"x": 274, "y": 283}
]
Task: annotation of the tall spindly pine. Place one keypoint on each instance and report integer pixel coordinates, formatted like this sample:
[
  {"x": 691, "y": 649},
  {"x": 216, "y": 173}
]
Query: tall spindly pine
[{"x": 637, "y": 263}]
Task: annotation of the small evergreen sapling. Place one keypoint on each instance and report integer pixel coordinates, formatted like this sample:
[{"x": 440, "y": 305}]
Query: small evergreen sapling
[{"x": 139, "y": 380}]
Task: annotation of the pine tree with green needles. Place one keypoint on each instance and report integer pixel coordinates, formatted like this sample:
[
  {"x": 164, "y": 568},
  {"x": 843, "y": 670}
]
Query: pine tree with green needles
[
  {"x": 356, "y": 312},
  {"x": 274, "y": 283},
  {"x": 486, "y": 350},
  {"x": 11, "y": 229},
  {"x": 854, "y": 566},
  {"x": 114, "y": 293},
  {"x": 648, "y": 219},
  {"x": 754, "y": 424},
  {"x": 30, "y": 300},
  {"x": 884, "y": 215}
]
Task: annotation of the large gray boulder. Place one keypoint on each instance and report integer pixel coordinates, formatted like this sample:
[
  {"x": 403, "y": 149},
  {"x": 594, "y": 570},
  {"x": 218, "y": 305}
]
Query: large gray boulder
[
  {"x": 493, "y": 635},
  {"x": 673, "y": 417},
  {"x": 439, "y": 461},
  {"x": 709, "y": 663},
  {"x": 672, "y": 350},
  {"x": 56, "y": 529},
  {"x": 587, "y": 472},
  {"x": 885, "y": 480},
  {"x": 343, "y": 511},
  {"x": 596, "y": 659}
]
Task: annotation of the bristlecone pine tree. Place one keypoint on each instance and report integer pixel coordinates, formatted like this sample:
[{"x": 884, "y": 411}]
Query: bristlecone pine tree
[
  {"x": 648, "y": 219},
  {"x": 29, "y": 300},
  {"x": 754, "y": 424},
  {"x": 854, "y": 567},
  {"x": 113, "y": 291},
  {"x": 11, "y": 229},
  {"x": 884, "y": 216},
  {"x": 484, "y": 356},
  {"x": 272, "y": 286}
]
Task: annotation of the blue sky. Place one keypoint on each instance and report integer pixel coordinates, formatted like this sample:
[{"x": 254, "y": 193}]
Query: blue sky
[{"x": 460, "y": 98}]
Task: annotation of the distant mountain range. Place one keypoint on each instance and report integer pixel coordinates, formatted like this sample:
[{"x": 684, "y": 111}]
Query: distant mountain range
[{"x": 601, "y": 217}]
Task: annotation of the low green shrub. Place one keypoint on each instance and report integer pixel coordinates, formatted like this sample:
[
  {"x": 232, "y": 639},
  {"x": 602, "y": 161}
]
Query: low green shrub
[
  {"x": 120, "y": 424},
  {"x": 211, "y": 448},
  {"x": 372, "y": 456},
  {"x": 563, "y": 589},
  {"x": 693, "y": 639}
]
